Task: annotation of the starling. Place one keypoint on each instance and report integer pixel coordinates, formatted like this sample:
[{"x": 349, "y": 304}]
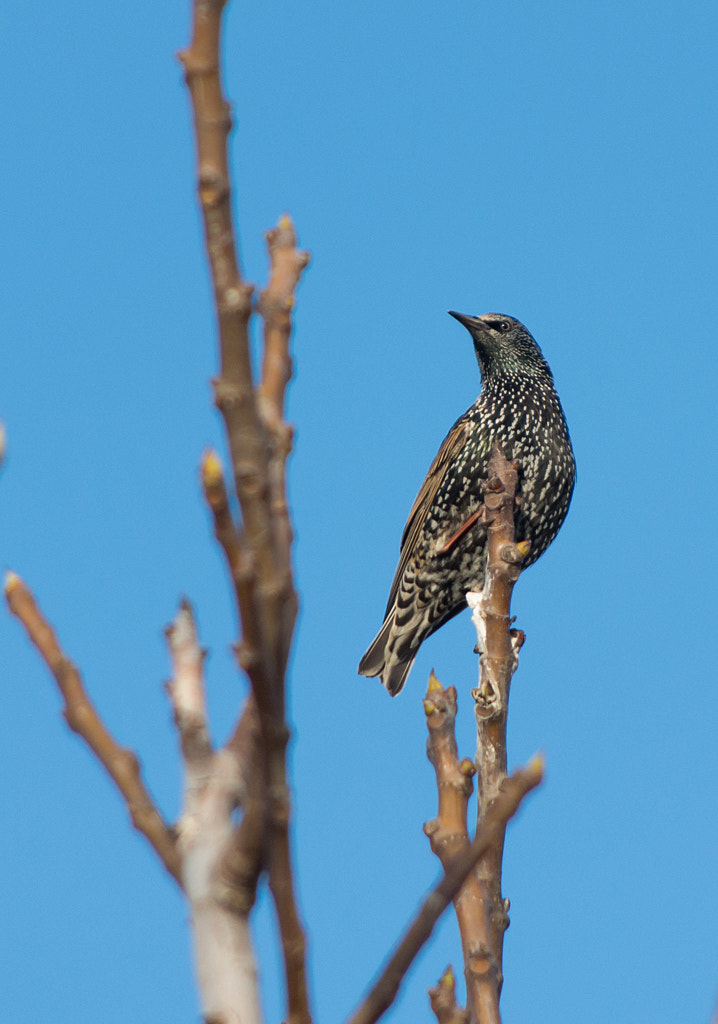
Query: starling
[{"x": 443, "y": 551}]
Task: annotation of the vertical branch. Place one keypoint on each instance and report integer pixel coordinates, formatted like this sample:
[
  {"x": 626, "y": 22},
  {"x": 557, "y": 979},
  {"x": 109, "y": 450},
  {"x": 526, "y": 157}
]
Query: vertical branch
[
  {"x": 226, "y": 970},
  {"x": 255, "y": 434},
  {"x": 275, "y": 305},
  {"x": 242, "y": 570},
  {"x": 385, "y": 988},
  {"x": 258, "y": 553},
  {"x": 212, "y": 125},
  {"x": 234, "y": 390},
  {"x": 269, "y": 781},
  {"x": 449, "y": 836},
  {"x": 281, "y": 885},
  {"x": 244, "y": 860},
  {"x": 499, "y": 646},
  {"x": 186, "y": 691}
]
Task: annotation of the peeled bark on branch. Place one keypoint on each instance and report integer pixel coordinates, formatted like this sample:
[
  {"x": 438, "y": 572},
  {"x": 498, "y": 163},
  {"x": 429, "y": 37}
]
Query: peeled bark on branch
[
  {"x": 226, "y": 969},
  {"x": 499, "y": 645}
]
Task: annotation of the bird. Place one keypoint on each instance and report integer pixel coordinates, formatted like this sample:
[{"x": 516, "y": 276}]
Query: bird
[{"x": 444, "y": 543}]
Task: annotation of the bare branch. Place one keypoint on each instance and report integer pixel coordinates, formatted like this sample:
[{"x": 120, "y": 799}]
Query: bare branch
[
  {"x": 260, "y": 489},
  {"x": 244, "y": 859},
  {"x": 443, "y": 1001},
  {"x": 385, "y": 989},
  {"x": 234, "y": 389},
  {"x": 226, "y": 969},
  {"x": 449, "y": 836},
  {"x": 212, "y": 124},
  {"x": 186, "y": 688},
  {"x": 499, "y": 646},
  {"x": 290, "y": 928},
  {"x": 241, "y": 565},
  {"x": 275, "y": 305},
  {"x": 120, "y": 763},
  {"x": 503, "y": 568},
  {"x": 259, "y": 556},
  {"x": 215, "y": 492}
]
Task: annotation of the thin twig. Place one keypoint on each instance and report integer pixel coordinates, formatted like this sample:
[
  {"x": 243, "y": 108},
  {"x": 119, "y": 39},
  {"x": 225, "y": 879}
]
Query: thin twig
[
  {"x": 385, "y": 989},
  {"x": 443, "y": 1000},
  {"x": 215, "y": 492},
  {"x": 120, "y": 763},
  {"x": 286, "y": 264},
  {"x": 275, "y": 304},
  {"x": 242, "y": 569}
]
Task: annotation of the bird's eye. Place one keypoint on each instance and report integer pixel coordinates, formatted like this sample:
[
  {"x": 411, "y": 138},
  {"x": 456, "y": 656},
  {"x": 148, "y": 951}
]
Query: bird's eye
[{"x": 504, "y": 326}]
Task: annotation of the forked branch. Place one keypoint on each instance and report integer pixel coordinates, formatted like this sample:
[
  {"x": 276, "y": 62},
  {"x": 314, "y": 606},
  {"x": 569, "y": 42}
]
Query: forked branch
[
  {"x": 480, "y": 909},
  {"x": 448, "y": 835},
  {"x": 385, "y": 989},
  {"x": 258, "y": 552}
]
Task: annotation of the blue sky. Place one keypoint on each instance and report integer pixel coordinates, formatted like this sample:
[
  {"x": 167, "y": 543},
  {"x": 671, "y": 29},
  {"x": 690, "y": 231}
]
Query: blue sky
[{"x": 556, "y": 162}]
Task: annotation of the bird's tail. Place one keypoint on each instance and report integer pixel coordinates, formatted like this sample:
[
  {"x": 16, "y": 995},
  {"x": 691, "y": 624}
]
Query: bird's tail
[{"x": 380, "y": 661}]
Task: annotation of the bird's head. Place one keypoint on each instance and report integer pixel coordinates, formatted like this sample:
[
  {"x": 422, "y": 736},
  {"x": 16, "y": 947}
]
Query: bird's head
[{"x": 503, "y": 345}]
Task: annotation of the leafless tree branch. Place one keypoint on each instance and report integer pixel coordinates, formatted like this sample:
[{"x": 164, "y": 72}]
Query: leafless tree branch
[
  {"x": 385, "y": 989},
  {"x": 443, "y": 1000},
  {"x": 217, "y": 862},
  {"x": 120, "y": 763},
  {"x": 259, "y": 553},
  {"x": 449, "y": 836},
  {"x": 245, "y": 858},
  {"x": 226, "y": 968},
  {"x": 499, "y": 646}
]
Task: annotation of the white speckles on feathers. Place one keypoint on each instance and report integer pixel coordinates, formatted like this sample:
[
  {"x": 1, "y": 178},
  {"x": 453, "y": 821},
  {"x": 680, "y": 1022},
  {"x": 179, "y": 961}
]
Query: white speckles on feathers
[{"x": 518, "y": 407}]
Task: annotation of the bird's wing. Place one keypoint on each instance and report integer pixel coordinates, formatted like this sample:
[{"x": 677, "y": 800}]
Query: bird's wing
[{"x": 452, "y": 444}]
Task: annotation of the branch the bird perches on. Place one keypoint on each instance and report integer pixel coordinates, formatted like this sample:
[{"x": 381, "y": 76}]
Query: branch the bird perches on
[{"x": 480, "y": 908}]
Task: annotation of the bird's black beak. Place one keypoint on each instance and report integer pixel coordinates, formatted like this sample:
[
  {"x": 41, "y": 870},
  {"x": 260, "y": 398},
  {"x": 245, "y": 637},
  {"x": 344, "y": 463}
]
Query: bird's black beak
[{"x": 471, "y": 323}]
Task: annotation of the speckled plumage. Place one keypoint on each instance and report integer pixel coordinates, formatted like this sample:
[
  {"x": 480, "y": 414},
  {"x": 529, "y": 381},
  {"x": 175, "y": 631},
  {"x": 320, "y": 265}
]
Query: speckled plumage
[{"x": 518, "y": 407}]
